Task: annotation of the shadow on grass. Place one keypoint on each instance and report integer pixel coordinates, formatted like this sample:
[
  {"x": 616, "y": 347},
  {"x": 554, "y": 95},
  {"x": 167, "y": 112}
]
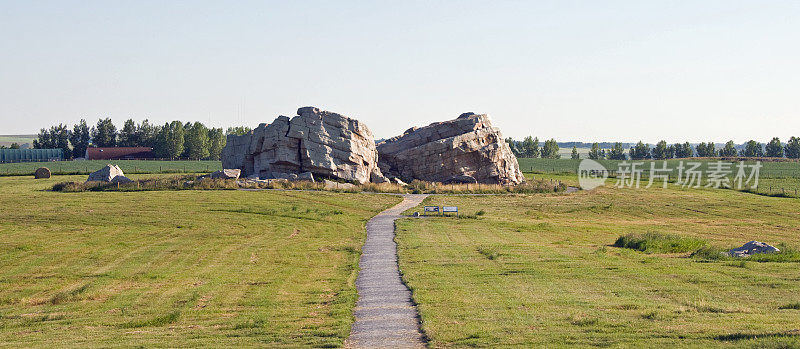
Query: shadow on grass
[
  {"x": 489, "y": 253},
  {"x": 794, "y": 306},
  {"x": 154, "y": 322},
  {"x": 287, "y": 214},
  {"x": 749, "y": 336},
  {"x": 64, "y": 296}
]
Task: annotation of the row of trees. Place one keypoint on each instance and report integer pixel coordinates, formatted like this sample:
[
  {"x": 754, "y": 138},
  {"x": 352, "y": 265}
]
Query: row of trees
[
  {"x": 173, "y": 140},
  {"x": 663, "y": 151},
  {"x": 529, "y": 148},
  {"x": 617, "y": 152}
]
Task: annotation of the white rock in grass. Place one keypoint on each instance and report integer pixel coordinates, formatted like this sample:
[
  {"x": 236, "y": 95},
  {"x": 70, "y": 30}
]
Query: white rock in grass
[
  {"x": 226, "y": 174},
  {"x": 109, "y": 173},
  {"x": 751, "y": 248}
]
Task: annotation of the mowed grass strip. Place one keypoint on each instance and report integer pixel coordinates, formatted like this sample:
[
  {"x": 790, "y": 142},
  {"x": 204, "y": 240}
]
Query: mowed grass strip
[
  {"x": 540, "y": 270},
  {"x": 178, "y": 268}
]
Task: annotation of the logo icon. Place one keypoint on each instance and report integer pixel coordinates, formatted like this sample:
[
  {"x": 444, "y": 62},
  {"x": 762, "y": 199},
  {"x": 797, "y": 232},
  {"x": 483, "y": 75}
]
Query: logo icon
[{"x": 591, "y": 174}]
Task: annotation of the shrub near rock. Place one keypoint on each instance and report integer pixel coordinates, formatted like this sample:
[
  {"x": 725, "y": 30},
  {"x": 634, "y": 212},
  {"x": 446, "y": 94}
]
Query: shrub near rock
[{"x": 659, "y": 243}]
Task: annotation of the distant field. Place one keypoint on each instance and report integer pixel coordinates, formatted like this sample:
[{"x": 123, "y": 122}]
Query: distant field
[
  {"x": 17, "y": 138},
  {"x": 539, "y": 271},
  {"x": 7, "y": 140},
  {"x": 566, "y": 153},
  {"x": 783, "y": 186},
  {"x": 127, "y": 166},
  {"x": 789, "y": 169},
  {"x": 178, "y": 268}
]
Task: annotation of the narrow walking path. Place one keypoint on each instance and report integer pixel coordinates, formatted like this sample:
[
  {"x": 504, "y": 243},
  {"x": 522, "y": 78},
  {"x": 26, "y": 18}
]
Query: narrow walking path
[{"x": 385, "y": 315}]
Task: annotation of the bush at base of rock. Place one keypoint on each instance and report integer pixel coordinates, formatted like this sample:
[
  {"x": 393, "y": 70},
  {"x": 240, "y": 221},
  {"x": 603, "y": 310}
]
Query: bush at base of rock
[{"x": 462, "y": 179}]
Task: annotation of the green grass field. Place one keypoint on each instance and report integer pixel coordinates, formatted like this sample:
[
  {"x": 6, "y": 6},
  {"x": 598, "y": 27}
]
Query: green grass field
[
  {"x": 7, "y": 140},
  {"x": 566, "y": 152},
  {"x": 277, "y": 268},
  {"x": 788, "y": 169},
  {"x": 539, "y": 270},
  {"x": 775, "y": 178},
  {"x": 127, "y": 166},
  {"x": 178, "y": 268}
]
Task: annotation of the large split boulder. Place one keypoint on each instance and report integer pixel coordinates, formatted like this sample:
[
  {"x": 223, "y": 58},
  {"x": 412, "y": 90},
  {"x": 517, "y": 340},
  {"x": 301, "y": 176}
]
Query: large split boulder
[
  {"x": 109, "y": 173},
  {"x": 467, "y": 149},
  {"x": 324, "y": 143}
]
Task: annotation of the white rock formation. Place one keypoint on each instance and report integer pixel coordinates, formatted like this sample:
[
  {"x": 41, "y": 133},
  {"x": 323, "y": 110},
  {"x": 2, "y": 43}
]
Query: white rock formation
[
  {"x": 465, "y": 150},
  {"x": 109, "y": 173},
  {"x": 324, "y": 143}
]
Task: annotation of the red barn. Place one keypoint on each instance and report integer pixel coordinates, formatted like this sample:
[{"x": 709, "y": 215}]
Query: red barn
[{"x": 119, "y": 153}]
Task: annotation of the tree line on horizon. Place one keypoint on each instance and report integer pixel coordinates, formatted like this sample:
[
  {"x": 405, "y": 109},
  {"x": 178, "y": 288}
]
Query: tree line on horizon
[
  {"x": 173, "y": 140},
  {"x": 12, "y": 146},
  {"x": 529, "y": 148}
]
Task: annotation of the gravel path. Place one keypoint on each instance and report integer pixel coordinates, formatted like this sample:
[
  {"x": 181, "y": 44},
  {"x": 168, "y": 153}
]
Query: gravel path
[{"x": 385, "y": 315}]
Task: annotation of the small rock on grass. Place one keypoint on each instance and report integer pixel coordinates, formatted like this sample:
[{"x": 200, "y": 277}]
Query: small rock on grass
[
  {"x": 751, "y": 248},
  {"x": 226, "y": 174},
  {"x": 110, "y": 173}
]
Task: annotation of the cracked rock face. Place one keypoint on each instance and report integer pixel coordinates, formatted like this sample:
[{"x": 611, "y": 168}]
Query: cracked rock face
[
  {"x": 324, "y": 143},
  {"x": 467, "y": 149}
]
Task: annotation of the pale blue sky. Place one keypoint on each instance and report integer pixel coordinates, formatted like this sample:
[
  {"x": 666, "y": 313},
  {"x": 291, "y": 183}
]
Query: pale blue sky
[{"x": 573, "y": 70}]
